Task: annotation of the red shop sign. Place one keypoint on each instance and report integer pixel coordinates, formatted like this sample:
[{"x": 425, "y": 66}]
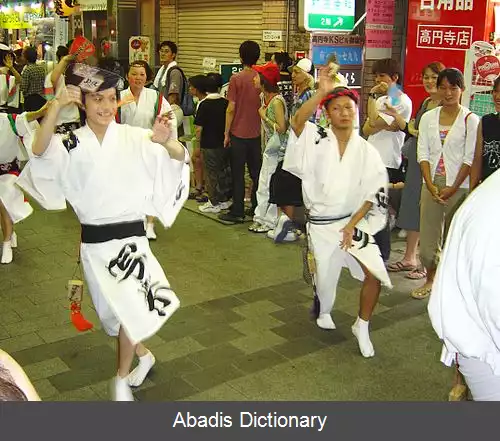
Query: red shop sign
[{"x": 440, "y": 30}]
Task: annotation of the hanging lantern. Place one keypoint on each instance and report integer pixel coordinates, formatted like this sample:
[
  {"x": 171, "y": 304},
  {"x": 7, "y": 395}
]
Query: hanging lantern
[{"x": 65, "y": 8}]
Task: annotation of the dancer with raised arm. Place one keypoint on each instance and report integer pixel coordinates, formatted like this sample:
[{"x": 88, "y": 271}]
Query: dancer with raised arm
[
  {"x": 113, "y": 175},
  {"x": 344, "y": 184}
]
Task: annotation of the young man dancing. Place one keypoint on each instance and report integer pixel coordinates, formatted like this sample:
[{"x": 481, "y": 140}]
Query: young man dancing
[
  {"x": 114, "y": 176},
  {"x": 344, "y": 184}
]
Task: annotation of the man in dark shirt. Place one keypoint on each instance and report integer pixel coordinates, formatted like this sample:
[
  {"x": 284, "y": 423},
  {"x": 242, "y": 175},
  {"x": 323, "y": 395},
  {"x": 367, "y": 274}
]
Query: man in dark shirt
[
  {"x": 242, "y": 132},
  {"x": 209, "y": 123},
  {"x": 32, "y": 82}
]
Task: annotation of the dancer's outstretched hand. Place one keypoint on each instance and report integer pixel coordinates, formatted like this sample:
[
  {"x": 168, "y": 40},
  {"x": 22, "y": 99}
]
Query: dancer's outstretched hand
[{"x": 161, "y": 129}]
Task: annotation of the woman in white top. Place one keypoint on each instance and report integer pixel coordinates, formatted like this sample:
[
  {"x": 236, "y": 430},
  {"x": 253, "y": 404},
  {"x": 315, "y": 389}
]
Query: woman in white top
[
  {"x": 445, "y": 153},
  {"x": 140, "y": 107}
]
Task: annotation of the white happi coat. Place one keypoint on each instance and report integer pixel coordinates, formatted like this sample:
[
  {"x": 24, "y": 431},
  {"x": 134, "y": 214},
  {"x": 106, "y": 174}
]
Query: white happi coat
[
  {"x": 335, "y": 187},
  {"x": 142, "y": 114},
  {"x": 10, "y": 150},
  {"x": 122, "y": 180},
  {"x": 9, "y": 90},
  {"x": 464, "y": 306}
]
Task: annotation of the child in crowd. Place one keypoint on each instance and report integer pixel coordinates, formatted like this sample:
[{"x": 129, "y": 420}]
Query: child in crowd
[{"x": 209, "y": 126}]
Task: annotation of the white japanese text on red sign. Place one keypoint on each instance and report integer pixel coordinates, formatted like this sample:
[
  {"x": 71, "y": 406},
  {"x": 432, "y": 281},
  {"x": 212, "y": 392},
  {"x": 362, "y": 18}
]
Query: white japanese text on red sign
[
  {"x": 444, "y": 37},
  {"x": 447, "y": 5}
]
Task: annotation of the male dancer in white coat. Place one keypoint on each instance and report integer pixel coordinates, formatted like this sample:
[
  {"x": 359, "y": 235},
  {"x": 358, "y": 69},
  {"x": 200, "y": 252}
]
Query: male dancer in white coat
[
  {"x": 113, "y": 175},
  {"x": 344, "y": 183},
  {"x": 464, "y": 306}
]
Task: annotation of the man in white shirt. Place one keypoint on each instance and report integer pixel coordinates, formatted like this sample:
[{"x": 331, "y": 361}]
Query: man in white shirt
[
  {"x": 172, "y": 90},
  {"x": 389, "y": 110}
]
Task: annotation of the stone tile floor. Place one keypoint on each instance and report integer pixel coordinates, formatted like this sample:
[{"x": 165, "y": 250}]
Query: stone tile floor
[{"x": 243, "y": 332}]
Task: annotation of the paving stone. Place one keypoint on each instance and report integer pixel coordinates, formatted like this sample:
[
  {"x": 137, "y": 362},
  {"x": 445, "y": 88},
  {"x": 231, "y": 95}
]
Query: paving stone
[
  {"x": 259, "y": 361},
  {"x": 215, "y": 355},
  {"x": 45, "y": 369},
  {"x": 256, "y": 325},
  {"x": 178, "y": 367},
  {"x": 255, "y": 342},
  {"x": 171, "y": 390},
  {"x": 299, "y": 347},
  {"x": 38, "y": 324},
  {"x": 21, "y": 342},
  {"x": 81, "y": 394},
  {"x": 257, "y": 309},
  {"x": 4, "y": 334},
  {"x": 8, "y": 316},
  {"x": 82, "y": 378},
  {"x": 45, "y": 389},
  {"x": 222, "y": 303},
  {"x": 217, "y": 335},
  {"x": 212, "y": 376},
  {"x": 176, "y": 349}
]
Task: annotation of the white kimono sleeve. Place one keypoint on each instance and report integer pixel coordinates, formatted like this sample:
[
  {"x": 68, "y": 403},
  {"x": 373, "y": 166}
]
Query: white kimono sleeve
[
  {"x": 171, "y": 179},
  {"x": 26, "y": 131},
  {"x": 42, "y": 177},
  {"x": 296, "y": 155},
  {"x": 375, "y": 183}
]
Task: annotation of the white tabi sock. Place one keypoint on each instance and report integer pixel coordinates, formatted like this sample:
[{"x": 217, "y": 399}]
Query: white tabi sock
[
  {"x": 6, "y": 252},
  {"x": 13, "y": 240},
  {"x": 121, "y": 390},
  {"x": 138, "y": 375},
  {"x": 325, "y": 321},
  {"x": 150, "y": 231},
  {"x": 360, "y": 329}
]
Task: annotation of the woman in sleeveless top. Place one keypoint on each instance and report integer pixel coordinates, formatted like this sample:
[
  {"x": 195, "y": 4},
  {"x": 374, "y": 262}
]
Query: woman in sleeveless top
[
  {"x": 274, "y": 117},
  {"x": 409, "y": 212},
  {"x": 487, "y": 154}
]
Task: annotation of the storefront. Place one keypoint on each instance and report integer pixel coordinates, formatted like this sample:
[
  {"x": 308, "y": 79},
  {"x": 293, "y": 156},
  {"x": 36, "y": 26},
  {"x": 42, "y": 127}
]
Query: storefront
[
  {"x": 443, "y": 30},
  {"x": 211, "y": 31},
  {"x": 17, "y": 21}
]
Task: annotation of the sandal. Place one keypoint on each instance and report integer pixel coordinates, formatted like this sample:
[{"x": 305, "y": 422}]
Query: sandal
[
  {"x": 196, "y": 193},
  {"x": 262, "y": 229},
  {"x": 397, "y": 267},
  {"x": 417, "y": 274},
  {"x": 254, "y": 227},
  {"x": 422, "y": 292}
]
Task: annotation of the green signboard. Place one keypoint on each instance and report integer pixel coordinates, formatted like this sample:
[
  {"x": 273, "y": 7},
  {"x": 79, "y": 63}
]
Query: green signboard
[
  {"x": 327, "y": 15},
  {"x": 228, "y": 70}
]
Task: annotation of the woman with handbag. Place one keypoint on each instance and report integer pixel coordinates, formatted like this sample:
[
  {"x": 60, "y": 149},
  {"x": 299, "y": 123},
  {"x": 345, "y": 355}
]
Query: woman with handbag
[{"x": 274, "y": 116}]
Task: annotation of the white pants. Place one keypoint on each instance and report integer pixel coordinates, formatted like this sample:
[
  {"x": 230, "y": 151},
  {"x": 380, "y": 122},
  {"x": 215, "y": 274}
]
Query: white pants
[
  {"x": 484, "y": 385},
  {"x": 266, "y": 214},
  {"x": 330, "y": 259}
]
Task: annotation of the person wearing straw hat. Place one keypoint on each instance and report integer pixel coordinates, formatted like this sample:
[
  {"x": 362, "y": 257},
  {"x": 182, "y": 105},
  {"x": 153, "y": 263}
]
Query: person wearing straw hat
[{"x": 113, "y": 175}]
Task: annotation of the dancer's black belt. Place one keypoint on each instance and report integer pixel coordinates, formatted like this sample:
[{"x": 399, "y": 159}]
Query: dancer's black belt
[
  {"x": 325, "y": 220},
  {"x": 105, "y": 233}
]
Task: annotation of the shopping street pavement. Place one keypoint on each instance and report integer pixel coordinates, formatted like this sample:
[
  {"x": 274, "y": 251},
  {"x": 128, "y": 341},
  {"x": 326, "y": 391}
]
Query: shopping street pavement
[{"x": 243, "y": 331}]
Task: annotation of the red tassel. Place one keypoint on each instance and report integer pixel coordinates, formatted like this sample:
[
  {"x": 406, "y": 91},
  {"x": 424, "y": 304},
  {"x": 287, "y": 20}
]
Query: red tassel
[{"x": 78, "y": 320}]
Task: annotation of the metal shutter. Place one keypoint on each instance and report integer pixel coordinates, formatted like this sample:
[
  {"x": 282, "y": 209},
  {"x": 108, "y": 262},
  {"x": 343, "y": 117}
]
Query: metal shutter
[{"x": 215, "y": 28}]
